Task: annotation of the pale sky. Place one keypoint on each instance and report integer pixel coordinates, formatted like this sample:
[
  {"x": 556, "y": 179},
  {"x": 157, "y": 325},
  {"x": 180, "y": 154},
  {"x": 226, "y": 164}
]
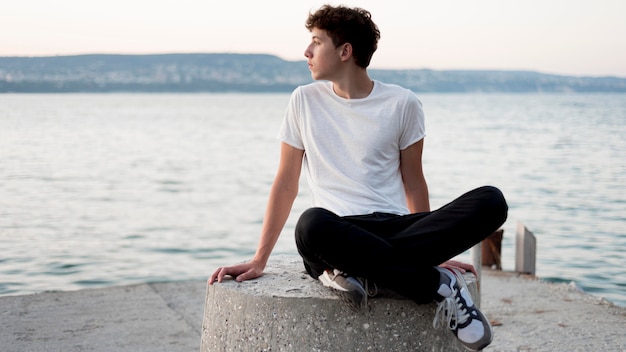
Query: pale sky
[{"x": 572, "y": 37}]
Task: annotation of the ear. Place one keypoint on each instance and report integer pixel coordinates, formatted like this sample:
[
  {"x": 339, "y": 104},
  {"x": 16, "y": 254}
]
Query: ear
[{"x": 346, "y": 51}]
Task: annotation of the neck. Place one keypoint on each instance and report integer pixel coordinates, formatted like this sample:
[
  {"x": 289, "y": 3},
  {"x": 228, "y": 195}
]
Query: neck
[{"x": 353, "y": 85}]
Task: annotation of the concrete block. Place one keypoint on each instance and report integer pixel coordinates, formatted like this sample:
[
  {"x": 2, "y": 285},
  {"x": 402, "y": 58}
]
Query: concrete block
[{"x": 286, "y": 310}]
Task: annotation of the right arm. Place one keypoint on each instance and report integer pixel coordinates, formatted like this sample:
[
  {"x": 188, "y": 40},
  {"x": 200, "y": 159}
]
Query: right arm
[{"x": 282, "y": 195}]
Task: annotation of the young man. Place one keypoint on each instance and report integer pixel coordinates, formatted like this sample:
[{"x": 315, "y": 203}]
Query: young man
[{"x": 360, "y": 144}]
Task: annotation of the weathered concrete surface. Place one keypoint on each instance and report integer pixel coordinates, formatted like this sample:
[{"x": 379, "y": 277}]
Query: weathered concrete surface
[
  {"x": 530, "y": 315},
  {"x": 146, "y": 317},
  {"x": 286, "y": 310}
]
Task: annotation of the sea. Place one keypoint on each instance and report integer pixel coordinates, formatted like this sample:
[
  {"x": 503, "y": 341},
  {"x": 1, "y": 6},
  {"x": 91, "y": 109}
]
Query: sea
[{"x": 101, "y": 190}]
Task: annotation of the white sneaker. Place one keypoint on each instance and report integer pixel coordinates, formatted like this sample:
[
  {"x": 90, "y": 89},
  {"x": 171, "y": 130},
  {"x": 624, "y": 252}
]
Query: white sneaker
[
  {"x": 351, "y": 290},
  {"x": 457, "y": 309}
]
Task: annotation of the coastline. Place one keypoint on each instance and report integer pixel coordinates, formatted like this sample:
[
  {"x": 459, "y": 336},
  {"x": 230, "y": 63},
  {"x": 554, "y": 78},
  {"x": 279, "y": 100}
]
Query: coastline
[{"x": 527, "y": 314}]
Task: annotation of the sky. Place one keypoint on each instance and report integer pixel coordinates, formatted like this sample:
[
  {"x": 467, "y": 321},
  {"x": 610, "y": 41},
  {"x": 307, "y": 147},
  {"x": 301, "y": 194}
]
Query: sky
[{"x": 573, "y": 37}]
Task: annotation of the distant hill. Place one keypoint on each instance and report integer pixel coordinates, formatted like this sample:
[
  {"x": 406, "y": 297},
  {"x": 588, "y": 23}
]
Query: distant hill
[{"x": 253, "y": 73}]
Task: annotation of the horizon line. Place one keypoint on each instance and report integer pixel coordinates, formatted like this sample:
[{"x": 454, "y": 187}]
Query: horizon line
[{"x": 526, "y": 70}]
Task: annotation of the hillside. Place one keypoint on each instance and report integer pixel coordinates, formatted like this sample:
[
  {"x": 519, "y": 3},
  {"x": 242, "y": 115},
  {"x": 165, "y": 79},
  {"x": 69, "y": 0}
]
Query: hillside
[{"x": 252, "y": 73}]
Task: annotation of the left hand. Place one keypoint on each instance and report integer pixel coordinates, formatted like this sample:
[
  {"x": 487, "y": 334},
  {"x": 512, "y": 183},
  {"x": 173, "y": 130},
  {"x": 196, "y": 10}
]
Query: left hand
[{"x": 462, "y": 267}]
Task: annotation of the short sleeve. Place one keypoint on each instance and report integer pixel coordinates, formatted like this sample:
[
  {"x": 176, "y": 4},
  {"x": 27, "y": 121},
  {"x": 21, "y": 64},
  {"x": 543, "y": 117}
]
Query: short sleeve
[
  {"x": 290, "y": 130},
  {"x": 413, "y": 122}
]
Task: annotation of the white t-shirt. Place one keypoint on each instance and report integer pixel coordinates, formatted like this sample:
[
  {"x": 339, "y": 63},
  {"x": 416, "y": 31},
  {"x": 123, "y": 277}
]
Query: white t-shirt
[{"x": 352, "y": 146}]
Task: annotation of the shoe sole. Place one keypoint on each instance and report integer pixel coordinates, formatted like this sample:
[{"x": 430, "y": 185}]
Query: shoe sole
[
  {"x": 355, "y": 296},
  {"x": 352, "y": 293}
]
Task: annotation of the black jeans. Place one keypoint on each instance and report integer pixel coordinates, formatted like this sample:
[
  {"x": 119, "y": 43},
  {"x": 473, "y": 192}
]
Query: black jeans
[{"x": 399, "y": 252}]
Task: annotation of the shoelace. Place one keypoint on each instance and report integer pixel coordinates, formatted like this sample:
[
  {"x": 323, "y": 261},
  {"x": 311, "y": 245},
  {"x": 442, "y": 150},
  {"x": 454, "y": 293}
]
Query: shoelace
[
  {"x": 372, "y": 290},
  {"x": 451, "y": 311}
]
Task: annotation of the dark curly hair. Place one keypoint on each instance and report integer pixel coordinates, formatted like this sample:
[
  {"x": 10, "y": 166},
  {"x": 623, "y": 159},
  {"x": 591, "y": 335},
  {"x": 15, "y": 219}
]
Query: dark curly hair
[{"x": 348, "y": 25}]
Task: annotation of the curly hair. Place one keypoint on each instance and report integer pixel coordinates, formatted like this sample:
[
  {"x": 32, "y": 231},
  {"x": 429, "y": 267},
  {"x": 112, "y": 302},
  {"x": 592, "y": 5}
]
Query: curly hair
[{"x": 348, "y": 25}]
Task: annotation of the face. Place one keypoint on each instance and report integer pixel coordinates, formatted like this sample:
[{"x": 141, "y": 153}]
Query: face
[{"x": 322, "y": 56}]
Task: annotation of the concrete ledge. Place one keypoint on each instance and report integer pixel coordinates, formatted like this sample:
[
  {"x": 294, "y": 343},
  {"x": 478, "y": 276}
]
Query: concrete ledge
[{"x": 286, "y": 310}]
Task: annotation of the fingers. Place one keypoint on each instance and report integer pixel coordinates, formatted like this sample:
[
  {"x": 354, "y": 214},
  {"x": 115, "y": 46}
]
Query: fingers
[
  {"x": 248, "y": 275},
  {"x": 468, "y": 267},
  {"x": 462, "y": 267},
  {"x": 242, "y": 277},
  {"x": 240, "y": 272},
  {"x": 214, "y": 277},
  {"x": 473, "y": 270},
  {"x": 218, "y": 275}
]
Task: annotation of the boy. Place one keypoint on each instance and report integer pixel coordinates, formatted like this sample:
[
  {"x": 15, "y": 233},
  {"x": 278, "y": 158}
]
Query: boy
[{"x": 360, "y": 143}]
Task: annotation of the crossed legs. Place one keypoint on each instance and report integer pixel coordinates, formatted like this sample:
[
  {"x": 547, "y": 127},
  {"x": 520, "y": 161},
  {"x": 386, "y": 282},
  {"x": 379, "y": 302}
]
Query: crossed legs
[{"x": 394, "y": 250}]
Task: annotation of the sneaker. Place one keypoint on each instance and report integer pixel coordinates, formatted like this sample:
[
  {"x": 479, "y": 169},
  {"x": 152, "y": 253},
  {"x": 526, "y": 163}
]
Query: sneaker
[
  {"x": 351, "y": 290},
  {"x": 460, "y": 314}
]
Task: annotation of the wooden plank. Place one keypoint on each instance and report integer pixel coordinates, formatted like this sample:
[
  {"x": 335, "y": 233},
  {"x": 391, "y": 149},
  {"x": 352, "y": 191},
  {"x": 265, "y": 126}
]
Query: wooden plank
[
  {"x": 492, "y": 250},
  {"x": 525, "y": 250}
]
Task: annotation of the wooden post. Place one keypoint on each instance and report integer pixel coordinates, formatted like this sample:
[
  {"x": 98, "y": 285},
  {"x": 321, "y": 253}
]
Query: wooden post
[
  {"x": 525, "y": 250},
  {"x": 492, "y": 250}
]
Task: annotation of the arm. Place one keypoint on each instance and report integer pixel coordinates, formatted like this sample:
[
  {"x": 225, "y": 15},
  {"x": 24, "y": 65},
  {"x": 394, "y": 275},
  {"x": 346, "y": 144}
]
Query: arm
[
  {"x": 417, "y": 192},
  {"x": 282, "y": 194},
  {"x": 413, "y": 178}
]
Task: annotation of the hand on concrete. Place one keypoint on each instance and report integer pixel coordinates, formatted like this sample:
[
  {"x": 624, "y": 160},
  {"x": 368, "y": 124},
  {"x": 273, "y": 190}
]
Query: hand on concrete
[
  {"x": 241, "y": 272},
  {"x": 462, "y": 267}
]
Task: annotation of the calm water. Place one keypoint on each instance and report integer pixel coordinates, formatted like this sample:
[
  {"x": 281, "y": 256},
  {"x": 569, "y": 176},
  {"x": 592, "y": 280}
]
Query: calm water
[{"x": 110, "y": 189}]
